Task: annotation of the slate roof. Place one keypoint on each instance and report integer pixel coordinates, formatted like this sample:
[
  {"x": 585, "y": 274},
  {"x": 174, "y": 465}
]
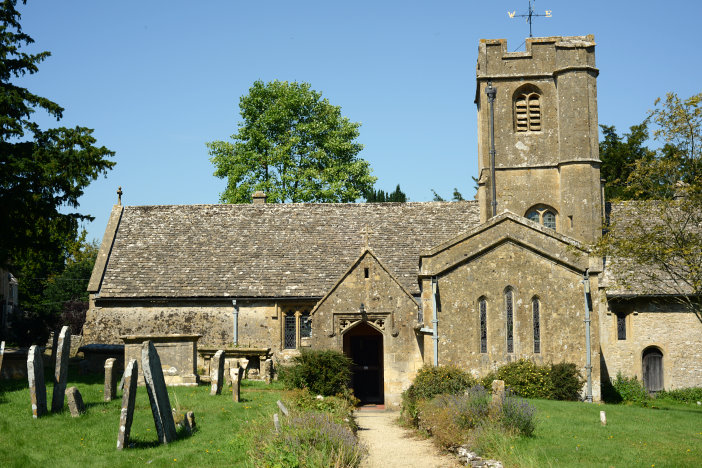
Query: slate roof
[
  {"x": 270, "y": 250},
  {"x": 624, "y": 277}
]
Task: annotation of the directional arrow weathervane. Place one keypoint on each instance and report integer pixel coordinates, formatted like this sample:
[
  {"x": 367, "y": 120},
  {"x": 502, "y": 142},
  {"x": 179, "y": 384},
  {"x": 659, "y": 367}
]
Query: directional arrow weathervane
[{"x": 529, "y": 16}]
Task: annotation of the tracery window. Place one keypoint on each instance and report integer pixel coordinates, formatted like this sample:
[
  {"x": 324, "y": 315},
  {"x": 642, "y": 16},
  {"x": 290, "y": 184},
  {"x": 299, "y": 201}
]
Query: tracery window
[
  {"x": 482, "y": 305},
  {"x": 527, "y": 110},
  {"x": 509, "y": 309},
  {"x": 536, "y": 317},
  {"x": 542, "y": 214}
]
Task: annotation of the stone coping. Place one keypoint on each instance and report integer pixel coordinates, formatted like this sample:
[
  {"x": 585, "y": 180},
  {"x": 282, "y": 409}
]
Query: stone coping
[
  {"x": 97, "y": 348},
  {"x": 235, "y": 352},
  {"x": 159, "y": 338}
]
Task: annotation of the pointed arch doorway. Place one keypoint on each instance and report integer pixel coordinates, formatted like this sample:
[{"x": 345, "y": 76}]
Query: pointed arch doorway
[{"x": 363, "y": 344}]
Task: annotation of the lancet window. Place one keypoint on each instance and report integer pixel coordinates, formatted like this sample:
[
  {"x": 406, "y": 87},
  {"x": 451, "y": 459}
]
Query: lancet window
[
  {"x": 482, "y": 306},
  {"x": 527, "y": 110},
  {"x": 536, "y": 317},
  {"x": 509, "y": 312}
]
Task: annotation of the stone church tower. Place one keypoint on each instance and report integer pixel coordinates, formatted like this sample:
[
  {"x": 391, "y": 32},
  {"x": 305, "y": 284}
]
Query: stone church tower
[{"x": 547, "y": 166}]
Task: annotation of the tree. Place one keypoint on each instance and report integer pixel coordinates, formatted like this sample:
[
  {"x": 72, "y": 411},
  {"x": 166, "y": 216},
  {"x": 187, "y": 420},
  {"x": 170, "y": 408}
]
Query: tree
[
  {"x": 43, "y": 173},
  {"x": 457, "y": 196},
  {"x": 293, "y": 145},
  {"x": 619, "y": 156},
  {"x": 655, "y": 242},
  {"x": 380, "y": 196}
]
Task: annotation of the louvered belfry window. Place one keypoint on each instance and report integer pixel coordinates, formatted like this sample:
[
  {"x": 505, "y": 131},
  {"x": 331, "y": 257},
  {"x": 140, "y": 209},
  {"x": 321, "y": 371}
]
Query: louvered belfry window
[{"x": 527, "y": 109}]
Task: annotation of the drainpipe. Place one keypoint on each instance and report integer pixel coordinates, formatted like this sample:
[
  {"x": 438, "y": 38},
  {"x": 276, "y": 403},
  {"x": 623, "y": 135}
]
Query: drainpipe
[
  {"x": 588, "y": 364},
  {"x": 236, "y": 323},
  {"x": 491, "y": 93},
  {"x": 435, "y": 321}
]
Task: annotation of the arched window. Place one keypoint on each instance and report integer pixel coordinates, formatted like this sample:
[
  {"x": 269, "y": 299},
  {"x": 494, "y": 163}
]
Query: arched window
[
  {"x": 536, "y": 318},
  {"x": 509, "y": 312},
  {"x": 527, "y": 109},
  {"x": 482, "y": 306},
  {"x": 542, "y": 214}
]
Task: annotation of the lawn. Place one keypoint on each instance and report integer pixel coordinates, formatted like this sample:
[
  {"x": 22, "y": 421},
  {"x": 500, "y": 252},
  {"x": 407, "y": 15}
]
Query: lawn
[
  {"x": 58, "y": 440},
  {"x": 570, "y": 434}
]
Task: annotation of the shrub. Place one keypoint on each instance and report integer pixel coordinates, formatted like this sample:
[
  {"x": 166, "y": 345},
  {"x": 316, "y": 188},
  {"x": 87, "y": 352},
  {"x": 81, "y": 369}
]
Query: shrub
[
  {"x": 338, "y": 407},
  {"x": 686, "y": 395},
  {"x": 519, "y": 416},
  {"x": 526, "y": 379},
  {"x": 309, "y": 440},
  {"x": 432, "y": 381},
  {"x": 630, "y": 389},
  {"x": 323, "y": 372},
  {"x": 566, "y": 382}
]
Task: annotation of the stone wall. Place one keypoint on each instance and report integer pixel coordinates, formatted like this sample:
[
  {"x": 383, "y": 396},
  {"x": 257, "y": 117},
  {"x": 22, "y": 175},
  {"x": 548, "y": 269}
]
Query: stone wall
[
  {"x": 388, "y": 308},
  {"x": 667, "y": 326}
]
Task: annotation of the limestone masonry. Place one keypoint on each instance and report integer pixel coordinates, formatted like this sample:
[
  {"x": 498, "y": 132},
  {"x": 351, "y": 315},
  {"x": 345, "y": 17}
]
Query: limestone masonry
[{"x": 396, "y": 286}]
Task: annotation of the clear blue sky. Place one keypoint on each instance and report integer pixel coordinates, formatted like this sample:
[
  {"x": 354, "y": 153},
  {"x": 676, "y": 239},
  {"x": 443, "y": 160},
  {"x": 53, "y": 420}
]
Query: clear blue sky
[{"x": 158, "y": 79}]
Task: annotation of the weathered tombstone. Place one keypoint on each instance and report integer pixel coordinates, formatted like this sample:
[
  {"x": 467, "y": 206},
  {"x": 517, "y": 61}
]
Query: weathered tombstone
[
  {"x": 190, "y": 422},
  {"x": 75, "y": 402},
  {"x": 276, "y": 422},
  {"x": 2, "y": 354},
  {"x": 268, "y": 370},
  {"x": 62, "y": 351},
  {"x": 236, "y": 373},
  {"x": 110, "y": 391},
  {"x": 283, "y": 409},
  {"x": 498, "y": 396},
  {"x": 54, "y": 346},
  {"x": 126, "y": 415},
  {"x": 603, "y": 418},
  {"x": 37, "y": 387},
  {"x": 217, "y": 373},
  {"x": 158, "y": 393}
]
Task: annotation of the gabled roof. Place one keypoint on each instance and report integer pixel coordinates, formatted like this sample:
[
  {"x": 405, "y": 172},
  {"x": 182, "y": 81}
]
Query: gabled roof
[
  {"x": 266, "y": 250},
  {"x": 366, "y": 252},
  {"x": 505, "y": 227}
]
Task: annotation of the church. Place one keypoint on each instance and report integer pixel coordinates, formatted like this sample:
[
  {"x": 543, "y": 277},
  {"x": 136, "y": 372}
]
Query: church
[{"x": 397, "y": 286}]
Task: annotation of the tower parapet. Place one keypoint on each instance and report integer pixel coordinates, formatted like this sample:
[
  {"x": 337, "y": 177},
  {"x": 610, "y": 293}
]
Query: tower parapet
[{"x": 546, "y": 133}]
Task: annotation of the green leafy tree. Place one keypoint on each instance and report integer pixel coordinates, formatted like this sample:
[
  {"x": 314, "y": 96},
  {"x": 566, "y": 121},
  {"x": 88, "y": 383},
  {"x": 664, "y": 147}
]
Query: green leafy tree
[
  {"x": 43, "y": 172},
  {"x": 619, "y": 155},
  {"x": 457, "y": 196},
  {"x": 381, "y": 196},
  {"x": 293, "y": 145},
  {"x": 655, "y": 242}
]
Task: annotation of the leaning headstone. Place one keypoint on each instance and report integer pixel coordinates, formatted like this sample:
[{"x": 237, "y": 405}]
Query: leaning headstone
[
  {"x": 283, "y": 409},
  {"x": 236, "y": 373},
  {"x": 54, "y": 347},
  {"x": 2, "y": 354},
  {"x": 110, "y": 392},
  {"x": 190, "y": 422},
  {"x": 217, "y": 373},
  {"x": 276, "y": 422},
  {"x": 158, "y": 393},
  {"x": 268, "y": 370},
  {"x": 62, "y": 351},
  {"x": 126, "y": 415},
  {"x": 75, "y": 402},
  {"x": 37, "y": 387},
  {"x": 498, "y": 396}
]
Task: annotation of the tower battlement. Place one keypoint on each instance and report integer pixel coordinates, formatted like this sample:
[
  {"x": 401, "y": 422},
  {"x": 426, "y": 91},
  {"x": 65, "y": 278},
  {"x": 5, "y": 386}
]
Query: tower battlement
[{"x": 543, "y": 57}]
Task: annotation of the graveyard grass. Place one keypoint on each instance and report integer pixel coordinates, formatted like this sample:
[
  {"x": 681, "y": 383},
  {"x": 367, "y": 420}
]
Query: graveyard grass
[
  {"x": 58, "y": 440},
  {"x": 570, "y": 434}
]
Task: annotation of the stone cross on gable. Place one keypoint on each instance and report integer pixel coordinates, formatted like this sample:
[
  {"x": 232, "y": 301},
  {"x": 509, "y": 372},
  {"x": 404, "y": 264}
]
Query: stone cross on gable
[{"x": 367, "y": 231}]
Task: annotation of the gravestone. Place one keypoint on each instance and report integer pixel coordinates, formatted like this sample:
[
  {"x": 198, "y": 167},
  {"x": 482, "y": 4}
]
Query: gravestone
[
  {"x": 498, "y": 396},
  {"x": 126, "y": 415},
  {"x": 283, "y": 409},
  {"x": 190, "y": 422},
  {"x": 217, "y": 373},
  {"x": 603, "y": 418},
  {"x": 110, "y": 391},
  {"x": 75, "y": 402},
  {"x": 62, "y": 352},
  {"x": 276, "y": 422},
  {"x": 236, "y": 373},
  {"x": 268, "y": 370},
  {"x": 37, "y": 387},
  {"x": 158, "y": 393}
]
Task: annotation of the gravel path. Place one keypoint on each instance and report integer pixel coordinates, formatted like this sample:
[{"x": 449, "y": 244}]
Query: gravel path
[{"x": 391, "y": 446}]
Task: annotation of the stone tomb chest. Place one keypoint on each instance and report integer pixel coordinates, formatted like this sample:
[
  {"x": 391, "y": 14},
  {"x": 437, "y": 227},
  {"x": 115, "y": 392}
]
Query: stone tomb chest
[{"x": 178, "y": 354}]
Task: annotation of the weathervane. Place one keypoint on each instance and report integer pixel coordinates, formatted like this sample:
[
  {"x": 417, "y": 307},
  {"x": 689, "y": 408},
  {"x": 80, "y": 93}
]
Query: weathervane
[{"x": 529, "y": 16}]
